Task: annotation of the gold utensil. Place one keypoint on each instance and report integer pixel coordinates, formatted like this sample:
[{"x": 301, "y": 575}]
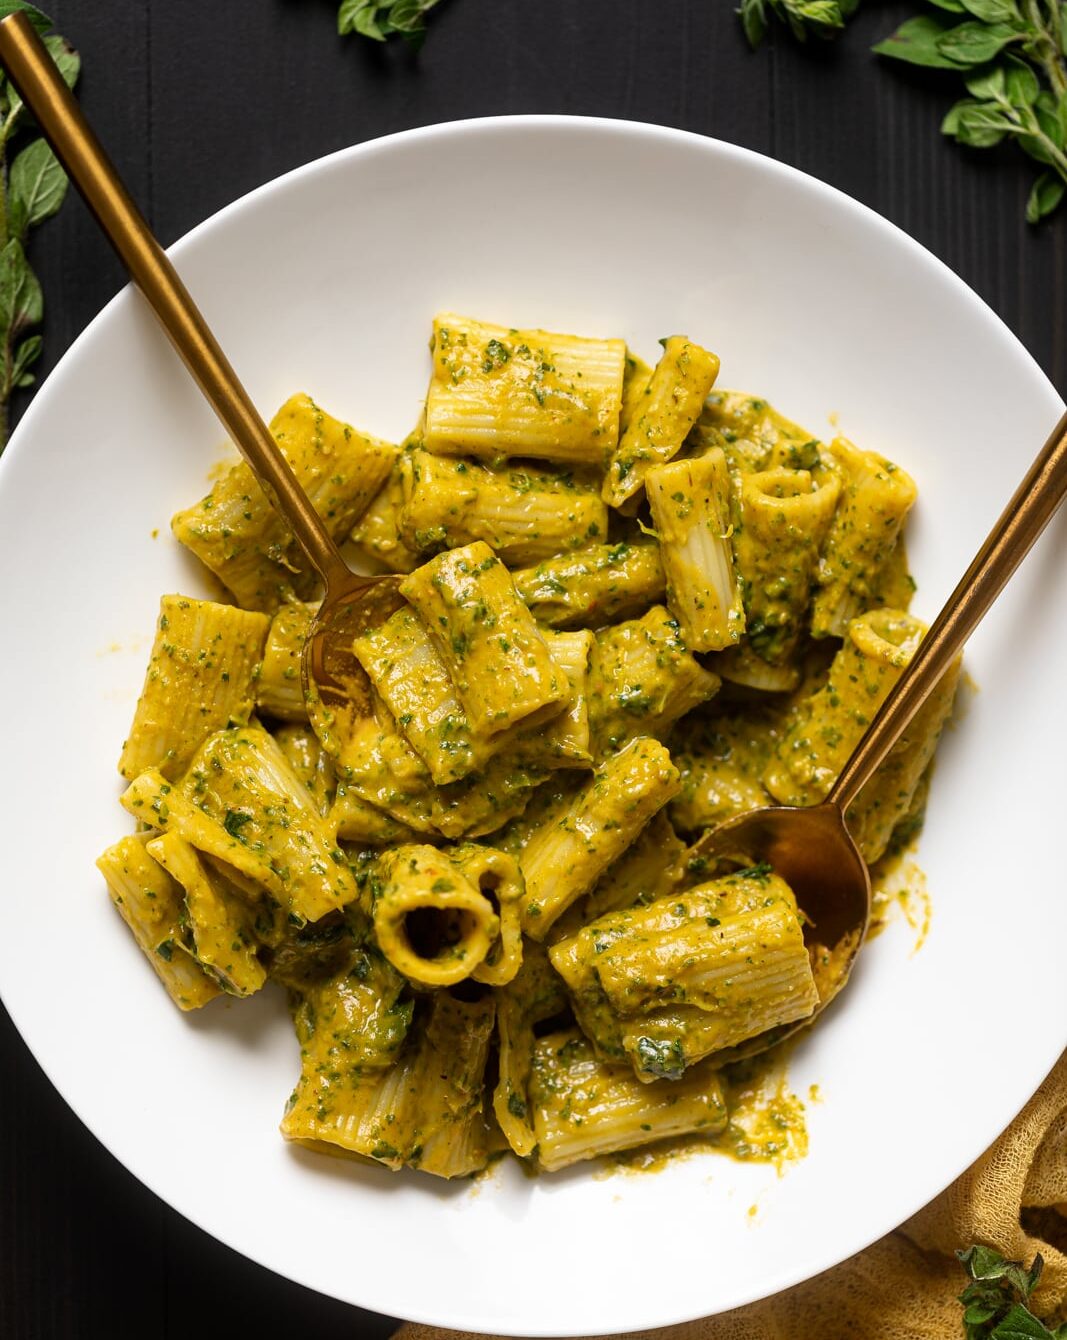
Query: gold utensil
[
  {"x": 333, "y": 679},
  {"x": 810, "y": 847}
]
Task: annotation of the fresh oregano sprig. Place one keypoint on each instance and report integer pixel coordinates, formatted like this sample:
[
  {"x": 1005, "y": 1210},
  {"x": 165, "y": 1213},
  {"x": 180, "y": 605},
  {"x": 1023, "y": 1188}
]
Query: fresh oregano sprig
[
  {"x": 380, "y": 19},
  {"x": 1011, "y": 55},
  {"x": 995, "y": 1302},
  {"x": 32, "y": 188}
]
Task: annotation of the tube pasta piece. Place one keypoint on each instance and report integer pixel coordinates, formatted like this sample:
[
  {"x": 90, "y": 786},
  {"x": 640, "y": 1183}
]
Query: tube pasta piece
[
  {"x": 672, "y": 400},
  {"x": 593, "y": 586},
  {"x": 377, "y": 765},
  {"x": 431, "y": 922},
  {"x": 828, "y": 725},
  {"x": 876, "y": 497},
  {"x": 888, "y": 797},
  {"x": 151, "y": 904},
  {"x": 785, "y": 518},
  {"x": 642, "y": 678},
  {"x": 524, "y": 514},
  {"x": 647, "y": 870},
  {"x": 352, "y": 819},
  {"x": 503, "y": 392},
  {"x": 721, "y": 764},
  {"x": 755, "y": 436},
  {"x": 279, "y": 685},
  {"x": 219, "y": 924},
  {"x": 583, "y": 1108},
  {"x": 377, "y": 532},
  {"x": 497, "y": 658},
  {"x": 407, "y": 670},
  {"x": 485, "y": 802},
  {"x": 425, "y": 1111},
  {"x": 636, "y": 376},
  {"x": 236, "y": 532},
  {"x": 200, "y": 678},
  {"x": 741, "y": 665},
  {"x": 497, "y": 877},
  {"x": 533, "y": 997},
  {"x": 692, "y": 973},
  {"x": 563, "y": 860},
  {"x": 310, "y": 762},
  {"x": 690, "y": 503},
  {"x": 241, "y": 803}
]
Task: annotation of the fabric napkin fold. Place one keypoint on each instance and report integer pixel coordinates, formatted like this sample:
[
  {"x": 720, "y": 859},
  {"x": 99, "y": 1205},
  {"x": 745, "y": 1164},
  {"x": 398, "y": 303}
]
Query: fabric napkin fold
[{"x": 905, "y": 1286}]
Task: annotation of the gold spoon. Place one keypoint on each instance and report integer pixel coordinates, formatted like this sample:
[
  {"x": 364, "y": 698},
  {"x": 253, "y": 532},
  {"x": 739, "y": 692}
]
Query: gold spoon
[
  {"x": 810, "y": 847},
  {"x": 334, "y": 681}
]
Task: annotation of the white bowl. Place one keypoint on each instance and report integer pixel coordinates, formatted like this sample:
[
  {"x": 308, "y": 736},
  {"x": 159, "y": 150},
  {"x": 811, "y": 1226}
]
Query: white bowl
[{"x": 326, "y": 280}]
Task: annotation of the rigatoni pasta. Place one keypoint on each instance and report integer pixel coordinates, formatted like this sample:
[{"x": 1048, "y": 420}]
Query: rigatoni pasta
[{"x": 631, "y": 607}]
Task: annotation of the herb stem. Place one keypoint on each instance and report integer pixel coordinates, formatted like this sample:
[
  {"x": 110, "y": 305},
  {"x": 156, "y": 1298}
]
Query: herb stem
[{"x": 1045, "y": 47}]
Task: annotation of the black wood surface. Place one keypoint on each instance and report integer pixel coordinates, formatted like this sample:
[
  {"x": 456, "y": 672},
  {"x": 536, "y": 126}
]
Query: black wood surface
[{"x": 201, "y": 100}]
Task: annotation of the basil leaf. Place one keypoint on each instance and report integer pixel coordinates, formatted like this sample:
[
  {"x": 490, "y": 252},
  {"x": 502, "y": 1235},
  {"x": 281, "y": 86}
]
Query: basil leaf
[
  {"x": 951, "y": 6},
  {"x": 37, "y": 183},
  {"x": 1047, "y": 193},
  {"x": 918, "y": 43},
  {"x": 754, "y": 21},
  {"x": 975, "y": 43},
  {"x": 359, "y": 16}
]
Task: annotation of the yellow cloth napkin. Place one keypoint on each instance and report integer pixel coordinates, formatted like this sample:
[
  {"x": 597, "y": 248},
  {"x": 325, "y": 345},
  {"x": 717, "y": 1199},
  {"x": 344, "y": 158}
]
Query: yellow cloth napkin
[{"x": 905, "y": 1287}]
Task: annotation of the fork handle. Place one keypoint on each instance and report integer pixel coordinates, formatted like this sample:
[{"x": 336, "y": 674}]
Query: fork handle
[
  {"x": 33, "y": 72},
  {"x": 1031, "y": 508}
]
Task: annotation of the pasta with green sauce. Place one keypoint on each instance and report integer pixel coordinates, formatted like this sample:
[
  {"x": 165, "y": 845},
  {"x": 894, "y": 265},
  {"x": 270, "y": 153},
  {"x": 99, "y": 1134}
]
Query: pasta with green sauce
[{"x": 634, "y": 605}]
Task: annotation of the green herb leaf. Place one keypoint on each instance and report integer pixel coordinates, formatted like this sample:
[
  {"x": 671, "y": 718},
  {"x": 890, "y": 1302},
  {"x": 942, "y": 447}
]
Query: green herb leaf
[
  {"x": 1020, "y": 1324},
  {"x": 993, "y": 11},
  {"x": 67, "y": 60},
  {"x": 1048, "y": 191},
  {"x": 978, "y": 124},
  {"x": 21, "y": 303},
  {"x": 917, "y": 42},
  {"x": 974, "y": 43},
  {"x": 380, "y": 19},
  {"x": 37, "y": 184},
  {"x": 40, "y": 21},
  {"x": 28, "y": 352}
]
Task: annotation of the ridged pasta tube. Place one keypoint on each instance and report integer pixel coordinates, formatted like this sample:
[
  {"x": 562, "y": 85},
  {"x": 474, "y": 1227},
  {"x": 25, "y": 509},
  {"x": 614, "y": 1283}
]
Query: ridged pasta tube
[
  {"x": 497, "y": 877},
  {"x": 431, "y": 922},
  {"x": 493, "y": 651},
  {"x": 721, "y": 764},
  {"x": 888, "y": 797},
  {"x": 310, "y": 762},
  {"x": 829, "y": 724},
  {"x": 690, "y": 501},
  {"x": 692, "y": 973},
  {"x": 219, "y": 923},
  {"x": 642, "y": 678},
  {"x": 424, "y": 1111},
  {"x": 535, "y": 995},
  {"x": 279, "y": 684},
  {"x": 238, "y": 534},
  {"x": 241, "y": 803},
  {"x": 785, "y": 518},
  {"x": 583, "y": 1108},
  {"x": 497, "y": 392},
  {"x": 564, "y": 859},
  {"x": 377, "y": 532},
  {"x": 664, "y": 414},
  {"x": 151, "y": 904},
  {"x": 876, "y": 496},
  {"x": 200, "y": 679},
  {"x": 525, "y": 515},
  {"x": 593, "y": 586}
]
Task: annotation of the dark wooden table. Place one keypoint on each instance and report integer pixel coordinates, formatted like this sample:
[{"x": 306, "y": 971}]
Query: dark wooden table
[{"x": 202, "y": 100}]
